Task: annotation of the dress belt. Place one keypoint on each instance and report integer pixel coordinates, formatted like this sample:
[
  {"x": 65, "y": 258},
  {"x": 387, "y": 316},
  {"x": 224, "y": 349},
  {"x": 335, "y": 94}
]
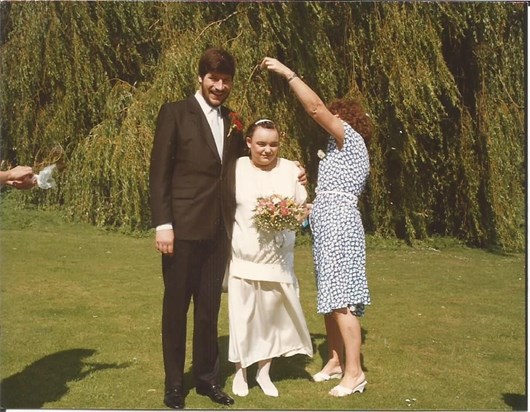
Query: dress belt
[{"x": 350, "y": 196}]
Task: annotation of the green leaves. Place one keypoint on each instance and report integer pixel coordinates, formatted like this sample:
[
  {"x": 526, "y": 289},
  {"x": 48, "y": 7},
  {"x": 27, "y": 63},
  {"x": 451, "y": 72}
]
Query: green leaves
[{"x": 443, "y": 83}]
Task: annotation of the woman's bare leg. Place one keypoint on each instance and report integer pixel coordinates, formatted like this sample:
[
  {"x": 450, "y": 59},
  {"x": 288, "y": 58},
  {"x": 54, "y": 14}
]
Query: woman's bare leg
[
  {"x": 335, "y": 363},
  {"x": 350, "y": 330}
]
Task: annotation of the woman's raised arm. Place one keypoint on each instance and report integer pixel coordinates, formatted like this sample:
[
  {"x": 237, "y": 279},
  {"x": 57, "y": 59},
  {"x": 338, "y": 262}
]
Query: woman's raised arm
[{"x": 311, "y": 102}]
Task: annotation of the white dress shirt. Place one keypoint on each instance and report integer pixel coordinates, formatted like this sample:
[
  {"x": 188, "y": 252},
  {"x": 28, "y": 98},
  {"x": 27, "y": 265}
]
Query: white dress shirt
[{"x": 213, "y": 115}]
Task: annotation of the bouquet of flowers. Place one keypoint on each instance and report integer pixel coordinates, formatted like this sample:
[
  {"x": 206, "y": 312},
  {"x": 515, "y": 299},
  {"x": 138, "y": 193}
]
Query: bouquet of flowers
[{"x": 277, "y": 213}]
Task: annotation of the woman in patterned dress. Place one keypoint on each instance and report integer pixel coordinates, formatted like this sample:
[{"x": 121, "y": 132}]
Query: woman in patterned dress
[{"x": 338, "y": 235}]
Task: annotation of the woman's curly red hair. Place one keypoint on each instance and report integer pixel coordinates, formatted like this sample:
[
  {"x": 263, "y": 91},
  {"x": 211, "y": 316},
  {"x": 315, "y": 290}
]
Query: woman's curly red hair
[{"x": 353, "y": 113}]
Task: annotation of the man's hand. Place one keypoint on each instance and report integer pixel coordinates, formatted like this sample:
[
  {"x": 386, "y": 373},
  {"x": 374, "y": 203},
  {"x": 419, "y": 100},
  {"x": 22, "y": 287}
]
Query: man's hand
[
  {"x": 164, "y": 241},
  {"x": 302, "y": 176}
]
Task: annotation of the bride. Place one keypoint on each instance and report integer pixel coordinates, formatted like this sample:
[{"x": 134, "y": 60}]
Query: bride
[{"x": 265, "y": 316}]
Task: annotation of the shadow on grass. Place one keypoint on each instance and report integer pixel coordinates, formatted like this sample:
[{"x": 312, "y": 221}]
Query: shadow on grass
[
  {"x": 515, "y": 401},
  {"x": 46, "y": 379}
]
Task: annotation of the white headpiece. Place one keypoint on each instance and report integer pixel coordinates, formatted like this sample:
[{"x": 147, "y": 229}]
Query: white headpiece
[{"x": 263, "y": 121}]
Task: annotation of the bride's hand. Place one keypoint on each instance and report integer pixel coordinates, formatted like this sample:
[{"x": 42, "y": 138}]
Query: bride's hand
[{"x": 275, "y": 66}]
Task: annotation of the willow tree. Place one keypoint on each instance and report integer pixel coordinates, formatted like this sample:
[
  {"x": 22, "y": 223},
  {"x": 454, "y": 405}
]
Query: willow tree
[
  {"x": 446, "y": 85},
  {"x": 443, "y": 83},
  {"x": 60, "y": 61}
]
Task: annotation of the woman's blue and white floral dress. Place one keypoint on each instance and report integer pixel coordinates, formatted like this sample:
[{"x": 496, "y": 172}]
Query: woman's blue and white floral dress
[{"x": 338, "y": 235}]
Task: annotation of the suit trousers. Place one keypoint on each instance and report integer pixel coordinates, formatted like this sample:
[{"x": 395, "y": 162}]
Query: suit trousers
[{"x": 196, "y": 270}]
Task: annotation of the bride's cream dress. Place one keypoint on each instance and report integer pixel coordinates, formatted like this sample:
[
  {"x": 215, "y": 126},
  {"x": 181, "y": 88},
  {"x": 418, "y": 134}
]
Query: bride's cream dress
[{"x": 266, "y": 319}]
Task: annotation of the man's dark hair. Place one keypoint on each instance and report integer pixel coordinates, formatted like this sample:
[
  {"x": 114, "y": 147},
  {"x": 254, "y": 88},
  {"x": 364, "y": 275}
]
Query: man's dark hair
[{"x": 217, "y": 60}]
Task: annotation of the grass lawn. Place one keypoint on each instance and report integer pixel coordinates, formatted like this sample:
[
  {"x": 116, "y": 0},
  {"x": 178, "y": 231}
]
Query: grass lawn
[{"x": 81, "y": 308}]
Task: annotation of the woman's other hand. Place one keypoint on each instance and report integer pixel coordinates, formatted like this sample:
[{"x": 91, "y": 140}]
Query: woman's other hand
[
  {"x": 308, "y": 208},
  {"x": 302, "y": 175}
]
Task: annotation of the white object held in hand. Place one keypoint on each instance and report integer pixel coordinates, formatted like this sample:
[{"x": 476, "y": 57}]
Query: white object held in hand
[{"x": 45, "y": 179}]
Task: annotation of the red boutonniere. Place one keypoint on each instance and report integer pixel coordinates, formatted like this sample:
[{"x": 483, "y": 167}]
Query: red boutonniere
[{"x": 236, "y": 125}]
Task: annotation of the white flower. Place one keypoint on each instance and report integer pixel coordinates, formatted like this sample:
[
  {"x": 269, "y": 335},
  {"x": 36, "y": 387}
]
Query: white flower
[{"x": 321, "y": 154}]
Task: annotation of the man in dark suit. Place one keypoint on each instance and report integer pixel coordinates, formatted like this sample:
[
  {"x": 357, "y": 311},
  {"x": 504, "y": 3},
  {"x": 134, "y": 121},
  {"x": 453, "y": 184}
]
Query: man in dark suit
[{"x": 192, "y": 201}]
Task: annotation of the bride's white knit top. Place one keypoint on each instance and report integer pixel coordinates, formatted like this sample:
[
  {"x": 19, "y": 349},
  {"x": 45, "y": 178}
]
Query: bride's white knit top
[{"x": 258, "y": 255}]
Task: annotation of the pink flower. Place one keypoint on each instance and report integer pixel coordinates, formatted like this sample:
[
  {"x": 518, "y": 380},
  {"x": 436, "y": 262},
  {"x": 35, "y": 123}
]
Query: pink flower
[{"x": 277, "y": 213}]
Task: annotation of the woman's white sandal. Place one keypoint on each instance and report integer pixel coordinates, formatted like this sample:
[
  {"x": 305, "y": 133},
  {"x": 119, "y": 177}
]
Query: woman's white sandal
[
  {"x": 322, "y": 377},
  {"x": 340, "y": 391}
]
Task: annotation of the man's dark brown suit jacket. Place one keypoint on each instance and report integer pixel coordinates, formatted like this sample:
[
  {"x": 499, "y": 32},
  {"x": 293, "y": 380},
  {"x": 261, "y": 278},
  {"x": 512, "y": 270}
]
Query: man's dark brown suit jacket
[{"x": 189, "y": 185}]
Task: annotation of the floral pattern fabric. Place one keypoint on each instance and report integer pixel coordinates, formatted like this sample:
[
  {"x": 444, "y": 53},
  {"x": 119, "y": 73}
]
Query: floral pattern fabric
[{"x": 339, "y": 250}]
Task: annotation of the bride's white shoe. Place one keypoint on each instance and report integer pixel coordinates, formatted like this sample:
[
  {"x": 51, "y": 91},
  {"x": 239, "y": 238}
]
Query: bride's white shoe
[
  {"x": 340, "y": 391},
  {"x": 267, "y": 386},
  {"x": 239, "y": 385},
  {"x": 323, "y": 377},
  {"x": 240, "y": 392}
]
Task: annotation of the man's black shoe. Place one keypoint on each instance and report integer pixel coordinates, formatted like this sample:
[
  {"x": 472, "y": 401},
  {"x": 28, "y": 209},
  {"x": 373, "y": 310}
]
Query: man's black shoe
[
  {"x": 174, "y": 398},
  {"x": 215, "y": 393}
]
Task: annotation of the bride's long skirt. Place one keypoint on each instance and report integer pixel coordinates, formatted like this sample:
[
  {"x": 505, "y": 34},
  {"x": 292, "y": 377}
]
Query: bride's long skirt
[{"x": 266, "y": 321}]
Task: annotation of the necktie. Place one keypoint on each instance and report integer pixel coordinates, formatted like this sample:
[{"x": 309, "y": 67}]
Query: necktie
[{"x": 217, "y": 130}]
